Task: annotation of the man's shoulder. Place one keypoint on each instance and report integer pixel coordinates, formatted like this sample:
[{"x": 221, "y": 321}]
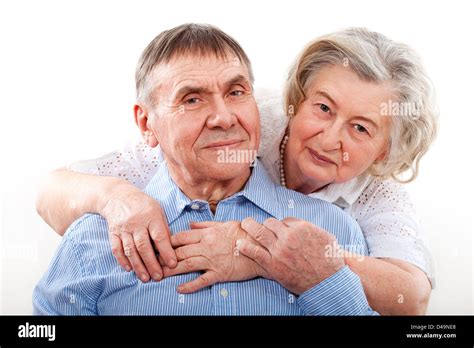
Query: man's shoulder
[
  {"x": 300, "y": 203},
  {"x": 319, "y": 212},
  {"x": 87, "y": 227}
]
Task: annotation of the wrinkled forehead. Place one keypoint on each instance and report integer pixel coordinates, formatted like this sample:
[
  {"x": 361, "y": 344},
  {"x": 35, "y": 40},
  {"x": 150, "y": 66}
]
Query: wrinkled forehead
[{"x": 204, "y": 71}]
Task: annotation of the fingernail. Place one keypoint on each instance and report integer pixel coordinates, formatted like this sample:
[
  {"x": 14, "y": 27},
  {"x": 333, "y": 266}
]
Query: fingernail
[
  {"x": 157, "y": 277},
  {"x": 128, "y": 268},
  {"x": 144, "y": 277}
]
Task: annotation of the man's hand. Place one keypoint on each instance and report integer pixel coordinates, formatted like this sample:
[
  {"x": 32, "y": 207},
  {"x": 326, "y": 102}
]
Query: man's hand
[
  {"x": 293, "y": 252},
  {"x": 135, "y": 222},
  {"x": 210, "y": 247}
]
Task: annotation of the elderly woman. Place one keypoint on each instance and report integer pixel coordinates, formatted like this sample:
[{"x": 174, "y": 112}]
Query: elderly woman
[{"x": 358, "y": 113}]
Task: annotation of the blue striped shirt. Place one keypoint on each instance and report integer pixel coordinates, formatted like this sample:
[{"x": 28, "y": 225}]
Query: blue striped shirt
[{"x": 85, "y": 279}]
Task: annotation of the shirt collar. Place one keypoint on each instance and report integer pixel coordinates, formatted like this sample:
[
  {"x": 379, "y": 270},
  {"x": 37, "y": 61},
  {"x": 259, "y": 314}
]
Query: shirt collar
[
  {"x": 163, "y": 189},
  {"x": 344, "y": 194},
  {"x": 259, "y": 189}
]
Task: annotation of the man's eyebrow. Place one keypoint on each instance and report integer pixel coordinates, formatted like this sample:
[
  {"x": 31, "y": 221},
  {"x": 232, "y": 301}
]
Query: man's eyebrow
[
  {"x": 238, "y": 79},
  {"x": 185, "y": 90}
]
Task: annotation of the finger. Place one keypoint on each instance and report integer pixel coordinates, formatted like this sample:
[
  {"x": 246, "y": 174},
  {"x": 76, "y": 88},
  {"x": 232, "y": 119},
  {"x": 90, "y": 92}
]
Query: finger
[
  {"x": 187, "y": 251},
  {"x": 161, "y": 261},
  {"x": 186, "y": 237},
  {"x": 259, "y": 232},
  {"x": 117, "y": 250},
  {"x": 193, "y": 264},
  {"x": 291, "y": 221},
  {"x": 134, "y": 258},
  {"x": 160, "y": 234},
  {"x": 147, "y": 254},
  {"x": 257, "y": 253},
  {"x": 206, "y": 279},
  {"x": 203, "y": 224},
  {"x": 276, "y": 226}
]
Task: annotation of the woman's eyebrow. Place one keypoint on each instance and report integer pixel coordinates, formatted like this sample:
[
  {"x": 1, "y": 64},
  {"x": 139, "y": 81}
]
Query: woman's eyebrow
[
  {"x": 327, "y": 96},
  {"x": 372, "y": 122}
]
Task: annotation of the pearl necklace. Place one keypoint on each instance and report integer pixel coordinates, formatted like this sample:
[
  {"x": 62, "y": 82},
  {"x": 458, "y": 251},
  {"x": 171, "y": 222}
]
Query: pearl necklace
[{"x": 281, "y": 162}]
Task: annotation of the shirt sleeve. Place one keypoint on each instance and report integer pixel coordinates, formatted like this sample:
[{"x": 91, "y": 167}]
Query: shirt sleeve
[
  {"x": 391, "y": 228},
  {"x": 66, "y": 289},
  {"x": 135, "y": 162},
  {"x": 340, "y": 294}
]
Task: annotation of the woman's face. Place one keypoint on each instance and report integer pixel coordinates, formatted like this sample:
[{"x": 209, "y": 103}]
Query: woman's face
[{"x": 338, "y": 131}]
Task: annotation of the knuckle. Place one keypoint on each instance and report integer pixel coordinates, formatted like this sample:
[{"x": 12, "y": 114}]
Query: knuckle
[
  {"x": 116, "y": 250},
  {"x": 141, "y": 244},
  {"x": 260, "y": 233},
  {"x": 180, "y": 253},
  {"x": 188, "y": 264},
  {"x": 204, "y": 279}
]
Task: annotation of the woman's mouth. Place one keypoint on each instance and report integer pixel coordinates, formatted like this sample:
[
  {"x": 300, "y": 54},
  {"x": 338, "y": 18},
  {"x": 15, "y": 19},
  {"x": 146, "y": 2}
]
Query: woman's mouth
[{"x": 319, "y": 159}]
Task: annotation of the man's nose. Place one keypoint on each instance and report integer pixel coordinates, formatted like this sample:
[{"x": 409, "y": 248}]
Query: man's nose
[{"x": 221, "y": 116}]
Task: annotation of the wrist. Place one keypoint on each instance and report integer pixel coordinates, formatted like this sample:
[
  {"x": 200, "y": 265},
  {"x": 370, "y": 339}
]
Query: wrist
[{"x": 105, "y": 187}]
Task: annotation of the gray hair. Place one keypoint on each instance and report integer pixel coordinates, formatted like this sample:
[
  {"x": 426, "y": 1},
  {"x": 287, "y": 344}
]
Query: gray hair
[
  {"x": 375, "y": 58},
  {"x": 186, "y": 39}
]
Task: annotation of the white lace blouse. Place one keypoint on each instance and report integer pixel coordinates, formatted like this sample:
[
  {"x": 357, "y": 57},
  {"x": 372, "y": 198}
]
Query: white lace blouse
[{"x": 381, "y": 207}]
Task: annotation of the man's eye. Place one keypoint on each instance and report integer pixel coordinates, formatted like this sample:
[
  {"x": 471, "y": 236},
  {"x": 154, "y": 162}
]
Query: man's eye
[
  {"x": 236, "y": 93},
  {"x": 324, "y": 108},
  {"x": 191, "y": 101},
  {"x": 359, "y": 128}
]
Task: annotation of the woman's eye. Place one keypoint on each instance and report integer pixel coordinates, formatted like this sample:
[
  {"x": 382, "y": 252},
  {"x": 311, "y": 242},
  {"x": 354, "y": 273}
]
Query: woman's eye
[
  {"x": 324, "y": 108},
  {"x": 360, "y": 129}
]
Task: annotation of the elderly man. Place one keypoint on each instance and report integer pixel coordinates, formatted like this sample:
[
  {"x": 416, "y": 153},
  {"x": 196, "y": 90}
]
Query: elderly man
[{"x": 195, "y": 100}]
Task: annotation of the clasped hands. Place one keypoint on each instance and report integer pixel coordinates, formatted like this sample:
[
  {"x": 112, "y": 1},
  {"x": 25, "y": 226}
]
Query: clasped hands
[{"x": 292, "y": 252}]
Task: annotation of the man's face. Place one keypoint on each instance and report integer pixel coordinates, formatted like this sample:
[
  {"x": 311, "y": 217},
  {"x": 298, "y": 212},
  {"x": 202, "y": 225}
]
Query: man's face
[{"x": 202, "y": 106}]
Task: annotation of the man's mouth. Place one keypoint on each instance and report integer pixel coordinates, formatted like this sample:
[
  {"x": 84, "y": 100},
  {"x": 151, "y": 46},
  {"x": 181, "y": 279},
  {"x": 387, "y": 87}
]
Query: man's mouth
[{"x": 224, "y": 143}]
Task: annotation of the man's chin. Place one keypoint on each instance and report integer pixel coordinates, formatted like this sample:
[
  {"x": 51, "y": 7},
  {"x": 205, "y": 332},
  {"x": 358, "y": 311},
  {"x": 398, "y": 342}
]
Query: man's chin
[{"x": 227, "y": 171}]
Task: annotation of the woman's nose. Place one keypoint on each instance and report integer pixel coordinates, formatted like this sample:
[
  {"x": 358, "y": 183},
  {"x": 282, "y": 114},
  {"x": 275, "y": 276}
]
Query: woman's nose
[{"x": 330, "y": 138}]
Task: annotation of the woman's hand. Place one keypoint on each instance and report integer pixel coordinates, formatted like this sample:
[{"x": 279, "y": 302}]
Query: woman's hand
[
  {"x": 295, "y": 253},
  {"x": 136, "y": 223},
  {"x": 210, "y": 247}
]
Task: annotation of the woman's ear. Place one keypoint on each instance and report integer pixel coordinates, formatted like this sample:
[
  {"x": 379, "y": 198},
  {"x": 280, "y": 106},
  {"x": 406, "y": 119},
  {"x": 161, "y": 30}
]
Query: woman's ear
[
  {"x": 383, "y": 155},
  {"x": 142, "y": 119}
]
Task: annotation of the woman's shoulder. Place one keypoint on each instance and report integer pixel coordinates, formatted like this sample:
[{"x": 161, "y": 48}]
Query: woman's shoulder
[
  {"x": 384, "y": 195},
  {"x": 273, "y": 120}
]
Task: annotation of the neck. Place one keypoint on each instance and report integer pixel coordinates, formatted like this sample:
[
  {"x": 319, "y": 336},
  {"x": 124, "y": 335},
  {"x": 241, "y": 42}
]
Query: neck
[
  {"x": 210, "y": 190},
  {"x": 295, "y": 179}
]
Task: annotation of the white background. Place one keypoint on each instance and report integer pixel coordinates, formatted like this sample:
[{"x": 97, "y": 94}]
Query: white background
[{"x": 67, "y": 90}]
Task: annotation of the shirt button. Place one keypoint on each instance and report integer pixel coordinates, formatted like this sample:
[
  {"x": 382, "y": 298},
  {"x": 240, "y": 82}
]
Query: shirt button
[
  {"x": 195, "y": 206},
  {"x": 224, "y": 293}
]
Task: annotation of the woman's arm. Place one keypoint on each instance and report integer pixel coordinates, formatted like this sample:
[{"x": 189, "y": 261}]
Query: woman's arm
[
  {"x": 395, "y": 276},
  {"x": 392, "y": 287},
  {"x": 64, "y": 196},
  {"x": 133, "y": 217}
]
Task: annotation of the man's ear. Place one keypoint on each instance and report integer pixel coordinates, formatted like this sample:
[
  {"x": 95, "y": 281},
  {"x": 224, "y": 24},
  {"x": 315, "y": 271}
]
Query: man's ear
[{"x": 142, "y": 119}]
